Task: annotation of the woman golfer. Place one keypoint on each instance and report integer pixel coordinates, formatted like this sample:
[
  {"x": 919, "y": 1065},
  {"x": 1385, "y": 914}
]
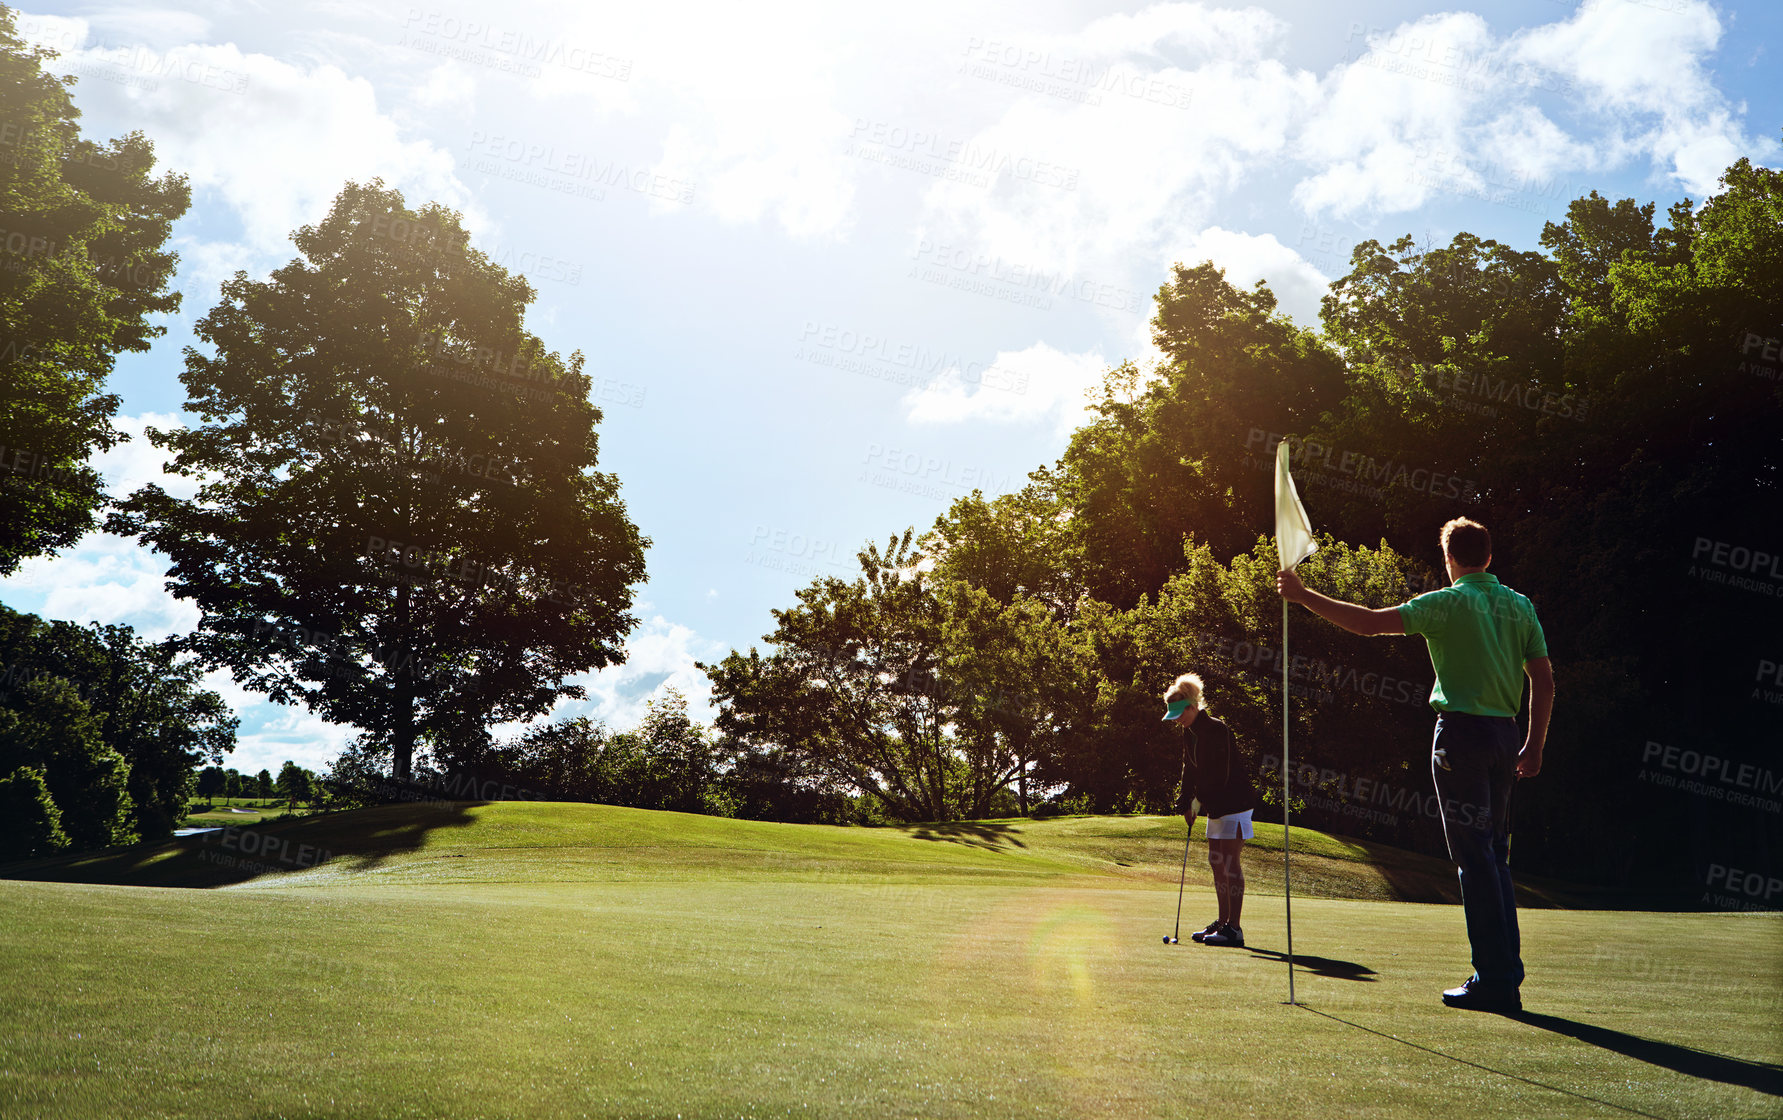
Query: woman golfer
[{"x": 1216, "y": 781}]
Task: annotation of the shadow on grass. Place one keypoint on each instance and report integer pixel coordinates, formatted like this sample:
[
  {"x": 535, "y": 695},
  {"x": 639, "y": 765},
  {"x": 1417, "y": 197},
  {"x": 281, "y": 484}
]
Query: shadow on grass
[
  {"x": 1706, "y": 1065},
  {"x": 1320, "y": 966},
  {"x": 1702, "y": 1064},
  {"x": 994, "y": 836},
  {"x": 353, "y": 840}
]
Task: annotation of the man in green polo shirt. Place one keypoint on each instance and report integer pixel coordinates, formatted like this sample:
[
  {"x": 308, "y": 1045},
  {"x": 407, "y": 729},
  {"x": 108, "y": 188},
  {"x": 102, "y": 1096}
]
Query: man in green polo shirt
[{"x": 1483, "y": 638}]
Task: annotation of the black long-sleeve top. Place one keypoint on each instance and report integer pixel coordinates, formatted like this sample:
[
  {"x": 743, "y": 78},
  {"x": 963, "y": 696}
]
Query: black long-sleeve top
[{"x": 1213, "y": 770}]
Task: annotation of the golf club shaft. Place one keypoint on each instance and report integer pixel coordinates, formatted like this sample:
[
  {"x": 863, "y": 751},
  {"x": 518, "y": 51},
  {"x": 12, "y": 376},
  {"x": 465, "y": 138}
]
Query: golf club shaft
[{"x": 1181, "y": 879}]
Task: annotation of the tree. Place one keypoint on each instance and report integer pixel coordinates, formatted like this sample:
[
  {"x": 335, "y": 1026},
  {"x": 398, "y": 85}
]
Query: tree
[
  {"x": 868, "y": 689},
  {"x": 30, "y": 823},
  {"x": 263, "y": 787},
  {"x": 293, "y": 783},
  {"x": 401, "y": 526},
  {"x": 212, "y": 781},
  {"x": 235, "y": 784},
  {"x": 1013, "y": 546},
  {"x": 82, "y": 269},
  {"x": 47, "y": 730},
  {"x": 1022, "y": 686},
  {"x": 147, "y": 699}
]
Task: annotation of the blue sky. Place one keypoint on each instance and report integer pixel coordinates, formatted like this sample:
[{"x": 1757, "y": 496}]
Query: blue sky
[{"x": 834, "y": 268}]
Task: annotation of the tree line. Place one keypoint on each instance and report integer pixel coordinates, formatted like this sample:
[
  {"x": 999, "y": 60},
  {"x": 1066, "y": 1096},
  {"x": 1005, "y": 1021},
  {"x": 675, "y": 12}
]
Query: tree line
[{"x": 1608, "y": 406}]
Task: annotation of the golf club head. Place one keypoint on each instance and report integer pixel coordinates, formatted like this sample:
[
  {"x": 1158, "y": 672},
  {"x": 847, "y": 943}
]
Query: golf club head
[{"x": 1168, "y": 940}]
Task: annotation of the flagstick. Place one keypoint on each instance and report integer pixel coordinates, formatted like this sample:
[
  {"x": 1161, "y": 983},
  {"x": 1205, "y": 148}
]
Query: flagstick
[{"x": 1287, "y": 868}]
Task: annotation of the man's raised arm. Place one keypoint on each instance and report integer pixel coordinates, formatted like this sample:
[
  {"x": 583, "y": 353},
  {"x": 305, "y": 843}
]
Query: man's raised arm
[{"x": 1353, "y": 617}]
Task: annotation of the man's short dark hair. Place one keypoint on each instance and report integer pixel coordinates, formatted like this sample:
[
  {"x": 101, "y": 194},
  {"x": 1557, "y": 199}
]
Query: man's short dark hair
[{"x": 1468, "y": 542}]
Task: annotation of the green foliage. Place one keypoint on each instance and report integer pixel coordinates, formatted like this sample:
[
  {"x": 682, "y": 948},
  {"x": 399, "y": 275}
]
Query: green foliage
[
  {"x": 144, "y": 701},
  {"x": 400, "y": 524},
  {"x": 911, "y": 690},
  {"x": 82, "y": 270},
  {"x": 30, "y": 823},
  {"x": 294, "y": 783},
  {"x": 46, "y": 727}
]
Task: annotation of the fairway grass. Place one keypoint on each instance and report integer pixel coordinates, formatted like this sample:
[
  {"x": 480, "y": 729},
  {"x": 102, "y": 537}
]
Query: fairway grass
[{"x": 665, "y": 965}]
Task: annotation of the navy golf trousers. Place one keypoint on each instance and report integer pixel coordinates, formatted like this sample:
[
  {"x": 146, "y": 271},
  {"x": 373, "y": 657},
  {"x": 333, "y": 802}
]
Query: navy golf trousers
[{"x": 1474, "y": 761}]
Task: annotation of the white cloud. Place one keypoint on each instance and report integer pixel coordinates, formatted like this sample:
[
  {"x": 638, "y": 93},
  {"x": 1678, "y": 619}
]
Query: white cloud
[
  {"x": 277, "y": 733},
  {"x": 1154, "y": 151},
  {"x": 1020, "y": 386},
  {"x": 1400, "y": 109},
  {"x": 109, "y": 579},
  {"x": 150, "y": 26},
  {"x": 659, "y": 654},
  {"x": 274, "y": 140},
  {"x": 747, "y": 106},
  {"x": 1441, "y": 105},
  {"x": 1633, "y": 60},
  {"x": 1298, "y": 286}
]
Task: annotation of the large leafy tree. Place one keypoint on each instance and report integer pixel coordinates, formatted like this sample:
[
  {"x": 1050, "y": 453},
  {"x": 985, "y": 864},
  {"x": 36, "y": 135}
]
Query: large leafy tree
[
  {"x": 400, "y": 523},
  {"x": 82, "y": 270},
  {"x": 1185, "y": 448},
  {"x": 863, "y": 689}
]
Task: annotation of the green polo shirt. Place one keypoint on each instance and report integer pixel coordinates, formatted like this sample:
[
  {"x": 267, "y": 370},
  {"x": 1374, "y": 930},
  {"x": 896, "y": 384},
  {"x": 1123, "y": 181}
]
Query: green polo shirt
[{"x": 1480, "y": 633}]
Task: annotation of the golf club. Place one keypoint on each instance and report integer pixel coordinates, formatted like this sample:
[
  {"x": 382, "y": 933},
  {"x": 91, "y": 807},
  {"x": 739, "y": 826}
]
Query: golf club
[{"x": 1181, "y": 879}]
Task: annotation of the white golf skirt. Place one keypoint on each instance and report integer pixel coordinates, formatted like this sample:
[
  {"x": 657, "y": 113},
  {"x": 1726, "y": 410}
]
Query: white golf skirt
[{"x": 1232, "y": 826}]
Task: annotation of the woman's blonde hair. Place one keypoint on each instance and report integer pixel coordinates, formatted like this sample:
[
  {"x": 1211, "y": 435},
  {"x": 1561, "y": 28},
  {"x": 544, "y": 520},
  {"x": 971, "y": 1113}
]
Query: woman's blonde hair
[{"x": 1186, "y": 687}]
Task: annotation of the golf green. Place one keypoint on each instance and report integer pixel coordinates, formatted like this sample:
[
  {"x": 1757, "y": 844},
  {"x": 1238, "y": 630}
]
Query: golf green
[{"x": 518, "y": 960}]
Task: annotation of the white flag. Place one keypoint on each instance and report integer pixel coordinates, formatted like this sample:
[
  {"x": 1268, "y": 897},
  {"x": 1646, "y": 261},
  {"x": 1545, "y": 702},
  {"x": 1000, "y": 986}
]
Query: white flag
[{"x": 1293, "y": 530}]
